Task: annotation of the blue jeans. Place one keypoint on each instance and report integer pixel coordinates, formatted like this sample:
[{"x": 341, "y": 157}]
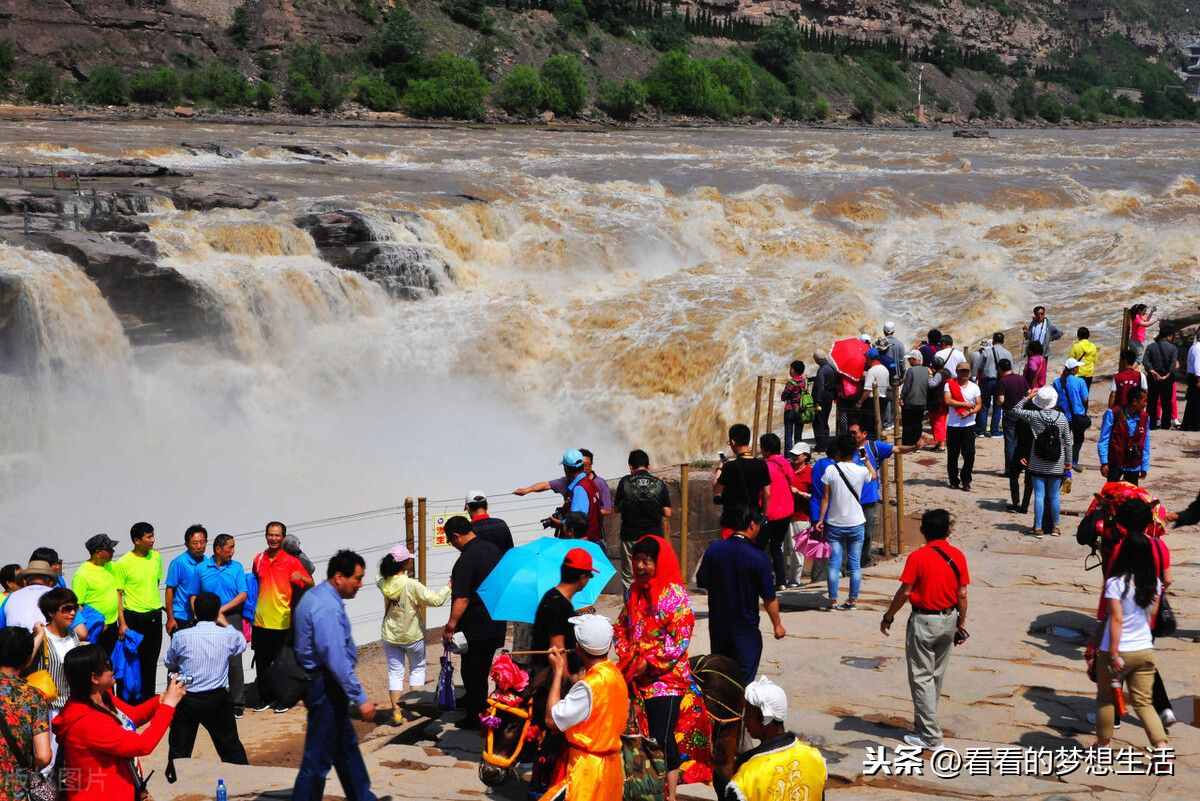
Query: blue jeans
[
  {"x": 329, "y": 741},
  {"x": 847, "y": 541},
  {"x": 987, "y": 390},
  {"x": 1045, "y": 500}
]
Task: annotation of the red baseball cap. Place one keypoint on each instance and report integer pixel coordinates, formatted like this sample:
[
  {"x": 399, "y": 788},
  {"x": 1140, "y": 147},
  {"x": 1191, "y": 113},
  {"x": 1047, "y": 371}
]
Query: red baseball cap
[{"x": 579, "y": 559}]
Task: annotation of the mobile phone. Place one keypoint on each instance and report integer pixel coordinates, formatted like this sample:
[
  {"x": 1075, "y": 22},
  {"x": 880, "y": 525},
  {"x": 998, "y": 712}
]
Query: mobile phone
[{"x": 721, "y": 456}]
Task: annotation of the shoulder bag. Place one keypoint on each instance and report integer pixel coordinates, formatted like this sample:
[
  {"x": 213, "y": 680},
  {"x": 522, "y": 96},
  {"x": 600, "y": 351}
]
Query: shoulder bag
[
  {"x": 1165, "y": 624},
  {"x": 961, "y": 635},
  {"x": 42, "y": 680}
]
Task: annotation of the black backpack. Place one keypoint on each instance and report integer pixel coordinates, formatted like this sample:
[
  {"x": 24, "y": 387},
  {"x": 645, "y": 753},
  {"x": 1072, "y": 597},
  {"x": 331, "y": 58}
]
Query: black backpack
[{"x": 1047, "y": 446}]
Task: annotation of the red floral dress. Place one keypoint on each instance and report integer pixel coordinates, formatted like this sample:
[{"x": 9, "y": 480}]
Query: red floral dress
[{"x": 659, "y": 636}]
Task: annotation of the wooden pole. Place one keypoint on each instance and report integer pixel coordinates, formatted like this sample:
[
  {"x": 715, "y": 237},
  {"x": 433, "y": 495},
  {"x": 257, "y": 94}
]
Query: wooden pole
[
  {"x": 422, "y": 547},
  {"x": 684, "y": 476},
  {"x": 771, "y": 407},
  {"x": 409, "y": 539},
  {"x": 1126, "y": 323},
  {"x": 758, "y": 387},
  {"x": 899, "y": 485},
  {"x": 884, "y": 512}
]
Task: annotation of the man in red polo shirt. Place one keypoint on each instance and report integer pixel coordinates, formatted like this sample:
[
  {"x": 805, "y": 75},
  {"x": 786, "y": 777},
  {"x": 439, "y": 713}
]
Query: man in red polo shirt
[{"x": 935, "y": 580}]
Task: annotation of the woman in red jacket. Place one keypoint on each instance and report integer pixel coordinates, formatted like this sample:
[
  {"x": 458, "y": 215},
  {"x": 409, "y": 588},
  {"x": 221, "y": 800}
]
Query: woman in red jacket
[{"x": 97, "y": 733}]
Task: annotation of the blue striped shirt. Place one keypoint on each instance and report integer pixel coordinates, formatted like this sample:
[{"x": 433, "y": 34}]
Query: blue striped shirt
[{"x": 203, "y": 653}]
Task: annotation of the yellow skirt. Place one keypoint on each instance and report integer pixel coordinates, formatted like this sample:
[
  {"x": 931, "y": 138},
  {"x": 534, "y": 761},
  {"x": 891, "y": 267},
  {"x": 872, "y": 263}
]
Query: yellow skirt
[{"x": 589, "y": 777}]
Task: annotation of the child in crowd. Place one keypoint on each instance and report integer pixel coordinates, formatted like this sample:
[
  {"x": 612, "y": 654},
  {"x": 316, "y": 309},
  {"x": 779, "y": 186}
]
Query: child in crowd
[
  {"x": 402, "y": 634},
  {"x": 793, "y": 402}
]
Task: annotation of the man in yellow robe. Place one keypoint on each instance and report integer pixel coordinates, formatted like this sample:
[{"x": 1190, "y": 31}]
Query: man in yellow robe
[
  {"x": 783, "y": 767},
  {"x": 591, "y": 716}
]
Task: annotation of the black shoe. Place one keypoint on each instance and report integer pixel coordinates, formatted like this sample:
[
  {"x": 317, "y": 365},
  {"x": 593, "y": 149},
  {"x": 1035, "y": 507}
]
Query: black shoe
[
  {"x": 1012, "y": 507},
  {"x": 261, "y": 707},
  {"x": 954, "y": 485},
  {"x": 281, "y": 710},
  {"x": 469, "y": 723},
  {"x": 966, "y": 487},
  {"x": 238, "y": 712}
]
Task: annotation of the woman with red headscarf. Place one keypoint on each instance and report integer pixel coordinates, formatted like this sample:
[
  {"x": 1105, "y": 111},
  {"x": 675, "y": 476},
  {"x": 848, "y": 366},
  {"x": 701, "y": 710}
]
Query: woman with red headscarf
[{"x": 652, "y": 636}]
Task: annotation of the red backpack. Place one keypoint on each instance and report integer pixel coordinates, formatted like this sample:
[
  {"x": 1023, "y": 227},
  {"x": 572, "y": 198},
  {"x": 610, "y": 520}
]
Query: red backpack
[
  {"x": 1126, "y": 380},
  {"x": 595, "y": 530}
]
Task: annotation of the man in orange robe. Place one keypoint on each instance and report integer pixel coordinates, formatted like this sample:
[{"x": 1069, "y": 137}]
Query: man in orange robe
[{"x": 592, "y": 717}]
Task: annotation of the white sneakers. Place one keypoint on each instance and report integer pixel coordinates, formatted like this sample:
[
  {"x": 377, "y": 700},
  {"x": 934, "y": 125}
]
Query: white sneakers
[
  {"x": 918, "y": 741},
  {"x": 1168, "y": 717}
]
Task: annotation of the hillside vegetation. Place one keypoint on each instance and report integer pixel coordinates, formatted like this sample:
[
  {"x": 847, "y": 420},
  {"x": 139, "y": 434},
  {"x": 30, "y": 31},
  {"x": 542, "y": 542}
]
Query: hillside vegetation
[{"x": 623, "y": 60}]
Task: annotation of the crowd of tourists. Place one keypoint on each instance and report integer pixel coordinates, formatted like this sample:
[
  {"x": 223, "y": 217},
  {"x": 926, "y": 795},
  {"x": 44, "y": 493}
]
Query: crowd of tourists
[{"x": 80, "y": 661}]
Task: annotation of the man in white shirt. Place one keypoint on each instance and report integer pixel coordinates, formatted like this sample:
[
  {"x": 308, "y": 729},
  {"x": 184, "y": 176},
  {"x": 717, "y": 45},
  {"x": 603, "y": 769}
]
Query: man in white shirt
[
  {"x": 21, "y": 608},
  {"x": 877, "y": 377},
  {"x": 951, "y": 356},
  {"x": 1191, "y": 415},
  {"x": 964, "y": 400}
]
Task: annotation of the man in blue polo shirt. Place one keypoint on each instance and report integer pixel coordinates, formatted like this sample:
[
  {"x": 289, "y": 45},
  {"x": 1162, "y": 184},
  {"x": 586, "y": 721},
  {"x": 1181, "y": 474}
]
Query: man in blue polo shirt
[
  {"x": 183, "y": 579},
  {"x": 1073, "y": 402},
  {"x": 226, "y": 579},
  {"x": 874, "y": 451},
  {"x": 737, "y": 573}
]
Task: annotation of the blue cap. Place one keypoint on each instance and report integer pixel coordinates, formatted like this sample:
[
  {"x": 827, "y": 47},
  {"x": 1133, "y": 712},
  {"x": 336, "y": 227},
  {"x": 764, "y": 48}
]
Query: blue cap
[
  {"x": 872, "y": 354},
  {"x": 572, "y": 458}
]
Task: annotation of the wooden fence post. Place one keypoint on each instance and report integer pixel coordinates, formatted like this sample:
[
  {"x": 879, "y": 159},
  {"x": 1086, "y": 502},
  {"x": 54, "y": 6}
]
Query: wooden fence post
[
  {"x": 410, "y": 541},
  {"x": 898, "y": 439},
  {"x": 684, "y": 476},
  {"x": 422, "y": 548},
  {"x": 770, "y": 408},
  {"x": 758, "y": 387},
  {"x": 1126, "y": 325},
  {"x": 883, "y": 474}
]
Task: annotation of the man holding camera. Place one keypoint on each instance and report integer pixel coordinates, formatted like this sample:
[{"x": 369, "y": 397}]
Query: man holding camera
[
  {"x": 200, "y": 657},
  {"x": 934, "y": 579}
]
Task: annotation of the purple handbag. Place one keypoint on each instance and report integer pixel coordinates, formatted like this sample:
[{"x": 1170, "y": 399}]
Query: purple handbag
[{"x": 445, "y": 686}]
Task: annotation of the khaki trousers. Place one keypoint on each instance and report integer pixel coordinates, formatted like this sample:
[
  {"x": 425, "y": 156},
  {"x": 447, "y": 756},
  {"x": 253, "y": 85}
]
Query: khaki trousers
[
  {"x": 927, "y": 645},
  {"x": 1139, "y": 678}
]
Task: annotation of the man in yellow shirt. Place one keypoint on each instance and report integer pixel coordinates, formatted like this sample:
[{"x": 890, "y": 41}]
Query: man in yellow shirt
[
  {"x": 95, "y": 584},
  {"x": 1084, "y": 351},
  {"x": 139, "y": 574},
  {"x": 783, "y": 767}
]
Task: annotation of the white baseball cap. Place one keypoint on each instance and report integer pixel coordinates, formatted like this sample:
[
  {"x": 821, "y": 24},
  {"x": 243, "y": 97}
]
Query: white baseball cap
[
  {"x": 799, "y": 448},
  {"x": 769, "y": 697},
  {"x": 889, "y": 327},
  {"x": 475, "y": 496},
  {"x": 1072, "y": 364},
  {"x": 593, "y": 633}
]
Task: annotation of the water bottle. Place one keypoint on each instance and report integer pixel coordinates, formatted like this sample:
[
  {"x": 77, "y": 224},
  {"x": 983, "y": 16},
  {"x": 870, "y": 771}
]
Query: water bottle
[
  {"x": 222, "y": 793},
  {"x": 1118, "y": 697}
]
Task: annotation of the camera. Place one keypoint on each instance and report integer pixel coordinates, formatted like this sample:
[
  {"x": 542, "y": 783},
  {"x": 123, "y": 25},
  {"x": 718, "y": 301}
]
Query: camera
[
  {"x": 554, "y": 522},
  {"x": 182, "y": 678}
]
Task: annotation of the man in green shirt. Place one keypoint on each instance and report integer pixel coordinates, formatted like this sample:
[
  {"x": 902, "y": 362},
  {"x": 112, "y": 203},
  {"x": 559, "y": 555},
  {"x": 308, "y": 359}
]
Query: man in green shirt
[
  {"x": 95, "y": 584},
  {"x": 139, "y": 574}
]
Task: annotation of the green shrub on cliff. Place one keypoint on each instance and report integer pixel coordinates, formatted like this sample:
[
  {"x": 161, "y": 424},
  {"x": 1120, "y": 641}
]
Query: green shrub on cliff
[
  {"x": 776, "y": 49},
  {"x": 669, "y": 33},
  {"x": 985, "y": 104},
  {"x": 1050, "y": 108},
  {"x": 1023, "y": 102},
  {"x": 453, "y": 87},
  {"x": 564, "y": 84},
  {"x": 399, "y": 40},
  {"x": 313, "y": 81},
  {"x": 864, "y": 109},
  {"x": 572, "y": 16},
  {"x": 521, "y": 92},
  {"x": 106, "y": 86},
  {"x": 160, "y": 85},
  {"x": 216, "y": 83},
  {"x": 682, "y": 85},
  {"x": 264, "y": 95},
  {"x": 375, "y": 93},
  {"x": 7, "y": 59},
  {"x": 1073, "y": 113},
  {"x": 622, "y": 101},
  {"x": 41, "y": 84}
]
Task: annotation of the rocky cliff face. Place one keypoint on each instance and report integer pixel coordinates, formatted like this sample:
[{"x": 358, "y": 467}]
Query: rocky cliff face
[{"x": 76, "y": 35}]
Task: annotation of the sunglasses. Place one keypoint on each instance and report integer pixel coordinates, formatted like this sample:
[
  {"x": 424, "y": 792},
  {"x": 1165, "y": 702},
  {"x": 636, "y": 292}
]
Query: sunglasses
[{"x": 68, "y": 608}]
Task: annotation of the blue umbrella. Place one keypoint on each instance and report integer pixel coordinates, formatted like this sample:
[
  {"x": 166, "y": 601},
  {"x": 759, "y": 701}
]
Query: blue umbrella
[{"x": 514, "y": 588}]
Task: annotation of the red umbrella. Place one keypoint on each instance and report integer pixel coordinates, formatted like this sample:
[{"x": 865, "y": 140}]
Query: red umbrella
[{"x": 849, "y": 357}]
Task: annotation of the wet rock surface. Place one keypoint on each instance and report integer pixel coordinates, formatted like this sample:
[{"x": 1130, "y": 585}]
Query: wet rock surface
[
  {"x": 351, "y": 240},
  {"x": 206, "y": 196},
  {"x": 155, "y": 303}
]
